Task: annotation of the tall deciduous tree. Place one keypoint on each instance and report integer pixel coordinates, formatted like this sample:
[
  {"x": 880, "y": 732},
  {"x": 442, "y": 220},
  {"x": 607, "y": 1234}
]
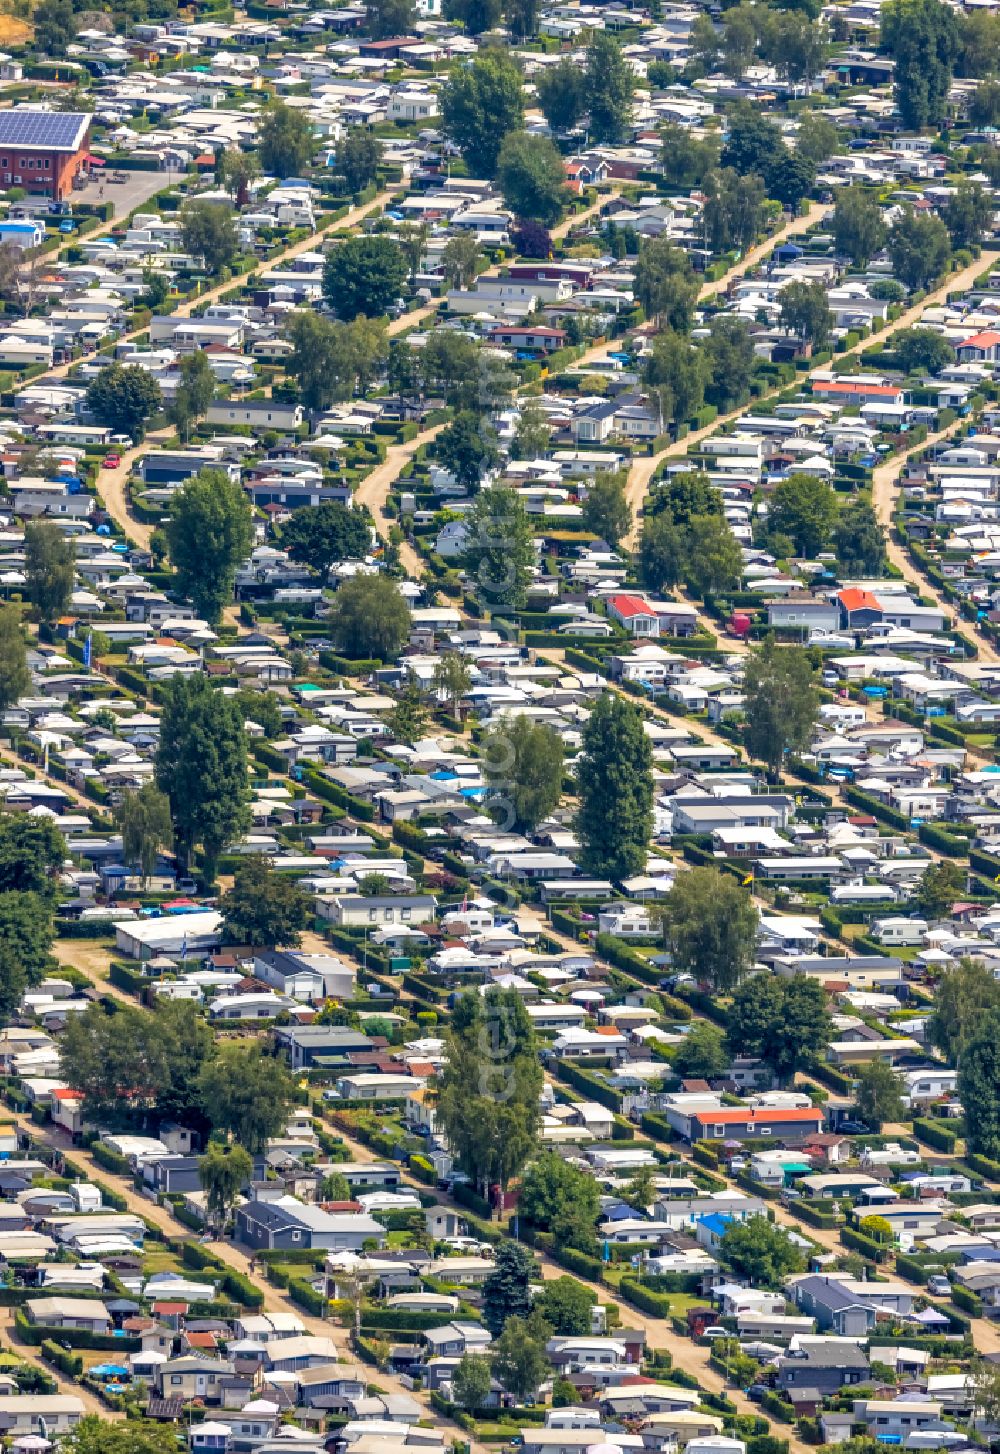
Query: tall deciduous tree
[
  {"x": 369, "y": 618},
  {"x": 610, "y": 83},
  {"x": 127, "y": 1060},
  {"x": 919, "y": 247},
  {"x": 966, "y": 992},
  {"x": 358, "y": 157},
  {"x": 364, "y": 275},
  {"x": 922, "y": 38},
  {"x": 471, "y": 1382},
  {"x": 328, "y": 534},
  {"x": 122, "y": 397},
  {"x": 859, "y": 539},
  {"x": 286, "y": 140},
  {"x": 710, "y": 926},
  {"x": 194, "y": 392},
  {"x": 223, "y": 1172},
  {"x": 760, "y": 1252},
  {"x": 488, "y": 1090},
  {"x": 532, "y": 177},
  {"x": 615, "y": 790},
  {"x": 665, "y": 284},
  {"x": 201, "y": 764},
  {"x": 803, "y": 507},
  {"x": 246, "y": 1093},
  {"x": 499, "y": 555},
  {"x": 264, "y": 908},
  {"x": 606, "y": 510},
  {"x": 209, "y": 232},
  {"x": 331, "y": 359},
  {"x": 979, "y": 1085},
  {"x": 523, "y": 765},
  {"x": 558, "y": 1197},
  {"x": 806, "y": 311},
  {"x": 15, "y": 678},
  {"x": 143, "y": 819},
  {"x": 713, "y": 559},
  {"x": 783, "y": 1021},
  {"x": 468, "y": 448},
  {"x": 480, "y": 103},
  {"x": 878, "y": 1094},
  {"x": 780, "y": 701},
  {"x": 49, "y": 568},
  {"x": 210, "y": 533},
  {"x": 858, "y": 227},
  {"x": 562, "y": 94}
]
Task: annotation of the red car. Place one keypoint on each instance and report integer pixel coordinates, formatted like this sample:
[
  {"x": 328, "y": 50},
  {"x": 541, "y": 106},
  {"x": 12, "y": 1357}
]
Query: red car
[{"x": 111, "y": 461}]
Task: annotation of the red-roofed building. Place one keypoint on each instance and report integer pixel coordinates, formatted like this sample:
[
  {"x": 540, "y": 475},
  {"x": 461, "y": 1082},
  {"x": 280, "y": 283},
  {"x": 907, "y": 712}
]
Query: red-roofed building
[
  {"x": 859, "y": 608},
  {"x": 857, "y": 391},
  {"x": 981, "y": 347},
  {"x": 742, "y": 1123},
  {"x": 635, "y": 614}
]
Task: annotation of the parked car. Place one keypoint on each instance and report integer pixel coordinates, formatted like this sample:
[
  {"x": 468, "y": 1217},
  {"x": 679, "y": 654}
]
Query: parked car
[
  {"x": 111, "y": 461},
  {"x": 939, "y": 1286}
]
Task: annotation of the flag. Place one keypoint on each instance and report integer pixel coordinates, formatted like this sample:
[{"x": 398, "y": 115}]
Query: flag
[{"x": 88, "y": 650}]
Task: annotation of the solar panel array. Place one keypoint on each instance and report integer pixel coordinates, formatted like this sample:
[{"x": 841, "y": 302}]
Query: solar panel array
[{"x": 53, "y": 130}]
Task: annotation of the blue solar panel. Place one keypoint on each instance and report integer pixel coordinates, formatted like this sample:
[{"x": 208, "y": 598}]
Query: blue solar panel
[{"x": 52, "y": 130}]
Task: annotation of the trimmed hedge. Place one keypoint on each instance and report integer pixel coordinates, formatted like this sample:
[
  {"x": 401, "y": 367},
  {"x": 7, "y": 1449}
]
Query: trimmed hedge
[
  {"x": 936, "y": 1134},
  {"x": 644, "y": 1298},
  {"x": 967, "y": 1301},
  {"x": 69, "y": 1363},
  {"x": 867, "y": 1246}
]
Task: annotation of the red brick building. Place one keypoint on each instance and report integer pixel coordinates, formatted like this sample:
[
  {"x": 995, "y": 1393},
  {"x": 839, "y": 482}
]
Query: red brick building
[{"x": 42, "y": 151}]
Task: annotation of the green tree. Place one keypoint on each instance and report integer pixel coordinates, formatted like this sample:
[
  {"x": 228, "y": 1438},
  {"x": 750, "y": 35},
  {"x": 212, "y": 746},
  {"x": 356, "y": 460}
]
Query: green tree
[
  {"x": 979, "y": 1085},
  {"x": 966, "y": 992},
  {"x": 562, "y": 94},
  {"x": 15, "y": 678},
  {"x": 790, "y": 177},
  {"x": 641, "y": 1190},
  {"x": 499, "y": 556},
  {"x": 729, "y": 349},
  {"x": 328, "y": 534},
  {"x": 143, "y": 819},
  {"x": 223, "y": 1172},
  {"x": 558, "y": 1197},
  {"x": 264, "y": 908},
  {"x": 760, "y": 1252},
  {"x": 610, "y": 82},
  {"x": 566, "y": 1304},
  {"x": 702, "y": 1055},
  {"x": 780, "y": 701},
  {"x": 468, "y": 448},
  {"x": 941, "y": 884},
  {"x": 471, "y": 1382},
  {"x": 385, "y": 19},
  {"x": 806, "y": 312},
  {"x": 475, "y": 16},
  {"x": 710, "y": 926},
  {"x": 522, "y": 19},
  {"x": 210, "y": 531},
  {"x": 335, "y": 1188},
  {"x": 687, "y": 157},
  {"x": 859, "y": 539},
  {"x": 94, "y": 1435},
  {"x": 817, "y": 138},
  {"x": 122, "y": 397},
  {"x": 531, "y": 438},
  {"x": 54, "y": 24},
  {"x": 480, "y": 103},
  {"x": 713, "y": 559},
  {"x": 784, "y": 1022},
  {"x": 49, "y": 568},
  {"x": 803, "y": 507},
  {"x": 262, "y": 708},
  {"x": 615, "y": 790},
  {"x": 25, "y": 942},
  {"x": 235, "y": 171},
  {"x": 286, "y": 140},
  {"x": 734, "y": 208},
  {"x": 126, "y": 1060},
  {"x": 519, "y": 1360},
  {"x": 358, "y": 157},
  {"x": 922, "y": 350},
  {"x": 919, "y": 245},
  {"x": 665, "y": 284},
  {"x": 365, "y": 275},
  {"x": 408, "y": 718},
  {"x": 488, "y": 1091},
  {"x": 922, "y": 38},
  {"x": 683, "y": 496},
  {"x": 460, "y": 260},
  {"x": 677, "y": 373},
  {"x": 453, "y": 678},
  {"x": 752, "y": 140},
  {"x": 968, "y": 214},
  {"x": 370, "y": 618},
  {"x": 246, "y": 1093},
  {"x": 201, "y": 765},
  {"x": 532, "y": 177},
  {"x": 984, "y": 105},
  {"x": 209, "y": 231},
  {"x": 32, "y": 851},
  {"x": 606, "y": 510},
  {"x": 878, "y": 1094},
  {"x": 661, "y": 553},
  {"x": 794, "y": 44},
  {"x": 331, "y": 360},
  {"x": 523, "y": 765},
  {"x": 194, "y": 392},
  {"x": 858, "y": 227}
]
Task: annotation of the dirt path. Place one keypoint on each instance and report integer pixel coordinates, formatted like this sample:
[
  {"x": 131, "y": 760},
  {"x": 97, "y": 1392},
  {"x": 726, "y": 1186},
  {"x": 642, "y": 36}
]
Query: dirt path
[
  {"x": 12, "y": 1342},
  {"x": 373, "y": 492},
  {"x": 885, "y": 492}
]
